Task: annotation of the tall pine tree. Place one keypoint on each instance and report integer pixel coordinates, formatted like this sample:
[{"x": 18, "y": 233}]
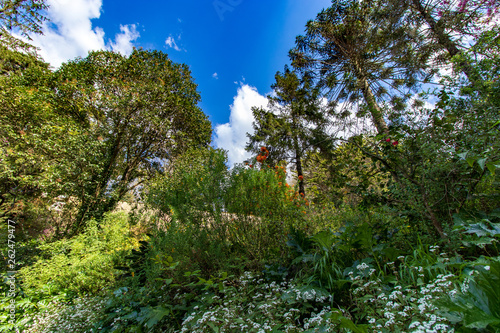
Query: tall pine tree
[{"x": 295, "y": 121}]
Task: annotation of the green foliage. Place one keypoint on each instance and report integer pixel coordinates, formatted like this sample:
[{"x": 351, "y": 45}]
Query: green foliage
[
  {"x": 146, "y": 112},
  {"x": 34, "y": 137},
  {"x": 417, "y": 147},
  {"x": 363, "y": 236},
  {"x": 440, "y": 161},
  {"x": 80, "y": 315},
  {"x": 83, "y": 264},
  {"x": 193, "y": 191},
  {"x": 477, "y": 305},
  {"x": 246, "y": 212},
  {"x": 137, "y": 310},
  {"x": 397, "y": 306},
  {"x": 264, "y": 208},
  {"x": 21, "y": 17},
  {"x": 356, "y": 55},
  {"x": 24, "y": 15},
  {"x": 252, "y": 304},
  {"x": 362, "y": 255},
  {"x": 15, "y": 62},
  {"x": 345, "y": 176},
  {"x": 294, "y": 122},
  {"x": 192, "y": 195},
  {"x": 264, "y": 192}
]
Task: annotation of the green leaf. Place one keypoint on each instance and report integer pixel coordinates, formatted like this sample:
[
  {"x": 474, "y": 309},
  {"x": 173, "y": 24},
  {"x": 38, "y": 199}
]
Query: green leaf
[
  {"x": 481, "y": 163},
  {"x": 120, "y": 291},
  {"x": 480, "y": 242},
  {"x": 337, "y": 316},
  {"x": 494, "y": 125},
  {"x": 470, "y": 161},
  {"x": 153, "y": 316},
  {"x": 215, "y": 328},
  {"x": 132, "y": 315},
  {"x": 481, "y": 229},
  {"x": 492, "y": 168}
]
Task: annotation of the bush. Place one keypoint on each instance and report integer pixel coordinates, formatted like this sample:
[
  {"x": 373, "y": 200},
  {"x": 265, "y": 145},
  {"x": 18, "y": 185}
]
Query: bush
[
  {"x": 217, "y": 214},
  {"x": 83, "y": 264}
]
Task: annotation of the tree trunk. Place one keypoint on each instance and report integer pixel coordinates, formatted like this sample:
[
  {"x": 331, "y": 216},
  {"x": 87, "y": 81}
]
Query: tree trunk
[
  {"x": 93, "y": 207},
  {"x": 375, "y": 110},
  {"x": 298, "y": 155},
  {"x": 298, "y": 165},
  {"x": 435, "y": 222},
  {"x": 373, "y": 107}
]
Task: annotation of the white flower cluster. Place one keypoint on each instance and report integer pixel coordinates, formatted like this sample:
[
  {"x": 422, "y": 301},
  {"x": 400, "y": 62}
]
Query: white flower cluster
[
  {"x": 407, "y": 309},
  {"x": 61, "y": 317},
  {"x": 434, "y": 248},
  {"x": 256, "y": 306}
]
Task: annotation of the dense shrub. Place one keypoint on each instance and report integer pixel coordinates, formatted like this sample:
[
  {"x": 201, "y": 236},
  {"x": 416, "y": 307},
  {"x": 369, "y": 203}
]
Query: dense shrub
[{"x": 83, "y": 264}]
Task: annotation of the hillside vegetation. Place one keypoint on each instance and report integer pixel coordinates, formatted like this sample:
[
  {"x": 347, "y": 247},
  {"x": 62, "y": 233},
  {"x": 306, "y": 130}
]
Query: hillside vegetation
[{"x": 371, "y": 202}]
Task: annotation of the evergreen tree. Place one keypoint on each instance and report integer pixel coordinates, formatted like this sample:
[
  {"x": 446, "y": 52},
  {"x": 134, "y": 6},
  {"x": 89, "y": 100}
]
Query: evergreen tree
[
  {"x": 356, "y": 55},
  {"x": 295, "y": 121}
]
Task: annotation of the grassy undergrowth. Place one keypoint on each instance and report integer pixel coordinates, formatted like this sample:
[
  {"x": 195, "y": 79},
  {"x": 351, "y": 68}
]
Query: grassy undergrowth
[{"x": 358, "y": 277}]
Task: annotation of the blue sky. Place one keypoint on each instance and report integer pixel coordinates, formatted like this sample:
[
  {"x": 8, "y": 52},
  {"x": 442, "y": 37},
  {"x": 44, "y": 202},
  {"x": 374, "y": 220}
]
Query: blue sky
[{"x": 233, "y": 47}]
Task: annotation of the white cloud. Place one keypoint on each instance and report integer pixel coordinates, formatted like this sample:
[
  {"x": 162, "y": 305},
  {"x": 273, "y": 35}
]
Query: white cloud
[
  {"x": 123, "y": 40},
  {"x": 69, "y": 33},
  {"x": 215, "y": 76},
  {"x": 232, "y": 136},
  {"x": 171, "y": 43}
]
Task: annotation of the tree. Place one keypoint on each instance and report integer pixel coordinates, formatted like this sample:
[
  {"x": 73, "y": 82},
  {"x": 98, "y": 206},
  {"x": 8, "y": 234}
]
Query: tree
[
  {"x": 355, "y": 49},
  {"x": 13, "y": 61},
  {"x": 23, "y": 17},
  {"x": 354, "y": 55},
  {"x": 38, "y": 145},
  {"x": 295, "y": 122},
  {"x": 142, "y": 108},
  {"x": 444, "y": 160},
  {"x": 344, "y": 176},
  {"x": 448, "y": 23}
]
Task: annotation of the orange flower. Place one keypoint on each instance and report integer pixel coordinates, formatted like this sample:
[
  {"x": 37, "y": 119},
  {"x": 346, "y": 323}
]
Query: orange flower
[
  {"x": 263, "y": 149},
  {"x": 251, "y": 166},
  {"x": 301, "y": 177}
]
